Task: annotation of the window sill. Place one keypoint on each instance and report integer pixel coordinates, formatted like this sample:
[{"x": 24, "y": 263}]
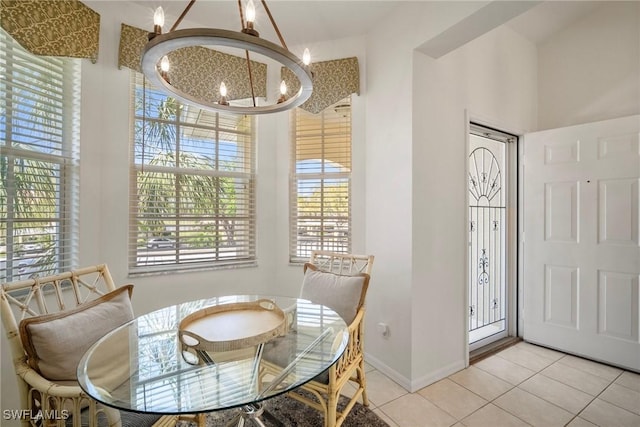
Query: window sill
[{"x": 182, "y": 270}]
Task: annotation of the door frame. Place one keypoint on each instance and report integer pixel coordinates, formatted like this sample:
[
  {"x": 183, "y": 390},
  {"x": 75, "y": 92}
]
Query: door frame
[
  {"x": 520, "y": 273},
  {"x": 514, "y": 254}
]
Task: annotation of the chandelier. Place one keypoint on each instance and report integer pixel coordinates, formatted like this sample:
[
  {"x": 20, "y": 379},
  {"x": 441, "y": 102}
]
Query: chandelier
[{"x": 156, "y": 65}]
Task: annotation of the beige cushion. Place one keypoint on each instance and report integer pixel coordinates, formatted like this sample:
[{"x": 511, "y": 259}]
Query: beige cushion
[
  {"x": 344, "y": 294},
  {"x": 56, "y": 342}
]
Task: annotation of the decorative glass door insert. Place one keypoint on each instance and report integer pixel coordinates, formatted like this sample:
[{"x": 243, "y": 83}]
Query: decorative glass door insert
[{"x": 487, "y": 237}]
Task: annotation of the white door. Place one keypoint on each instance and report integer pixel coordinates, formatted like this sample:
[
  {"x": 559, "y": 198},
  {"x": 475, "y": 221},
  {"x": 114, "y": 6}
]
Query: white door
[{"x": 581, "y": 240}]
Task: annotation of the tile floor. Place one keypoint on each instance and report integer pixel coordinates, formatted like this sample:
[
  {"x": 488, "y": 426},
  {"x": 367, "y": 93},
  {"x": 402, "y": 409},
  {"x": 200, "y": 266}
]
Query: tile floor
[{"x": 522, "y": 385}]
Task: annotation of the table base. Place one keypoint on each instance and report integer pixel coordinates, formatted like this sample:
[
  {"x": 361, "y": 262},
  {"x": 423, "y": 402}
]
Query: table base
[{"x": 252, "y": 413}]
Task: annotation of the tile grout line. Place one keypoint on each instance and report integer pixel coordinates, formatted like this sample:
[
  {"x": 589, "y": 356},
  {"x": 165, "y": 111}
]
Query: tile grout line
[
  {"x": 520, "y": 383},
  {"x": 510, "y": 383},
  {"x": 487, "y": 401},
  {"x": 444, "y": 410},
  {"x": 512, "y": 386},
  {"x": 611, "y": 403},
  {"x": 570, "y": 386},
  {"x": 533, "y": 354},
  {"x": 499, "y": 407},
  {"x": 388, "y": 416},
  {"x": 507, "y": 411},
  {"x": 386, "y": 403},
  {"x": 592, "y": 373}
]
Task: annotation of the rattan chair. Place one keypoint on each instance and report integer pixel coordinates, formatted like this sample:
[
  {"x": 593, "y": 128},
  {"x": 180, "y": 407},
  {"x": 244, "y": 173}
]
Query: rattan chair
[
  {"x": 56, "y": 294},
  {"x": 350, "y": 366}
]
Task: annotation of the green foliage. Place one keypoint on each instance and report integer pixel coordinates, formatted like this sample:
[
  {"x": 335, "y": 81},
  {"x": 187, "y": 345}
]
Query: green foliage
[
  {"x": 191, "y": 189},
  {"x": 328, "y": 200},
  {"x": 31, "y": 190}
]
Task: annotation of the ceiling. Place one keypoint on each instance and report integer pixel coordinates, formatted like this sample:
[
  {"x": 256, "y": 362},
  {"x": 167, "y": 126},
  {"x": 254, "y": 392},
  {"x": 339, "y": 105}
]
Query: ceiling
[
  {"x": 301, "y": 22},
  {"x": 304, "y": 22},
  {"x": 549, "y": 17}
]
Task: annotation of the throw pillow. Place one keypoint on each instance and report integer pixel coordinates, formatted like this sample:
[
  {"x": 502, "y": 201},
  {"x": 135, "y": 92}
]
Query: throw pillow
[
  {"x": 56, "y": 342},
  {"x": 344, "y": 294}
]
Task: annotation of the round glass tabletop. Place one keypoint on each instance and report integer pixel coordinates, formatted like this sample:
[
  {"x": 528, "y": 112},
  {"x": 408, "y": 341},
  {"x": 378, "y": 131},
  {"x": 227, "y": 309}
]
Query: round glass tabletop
[{"x": 149, "y": 365}]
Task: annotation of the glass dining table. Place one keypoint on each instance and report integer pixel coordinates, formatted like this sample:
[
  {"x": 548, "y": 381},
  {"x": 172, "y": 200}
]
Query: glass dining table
[{"x": 148, "y": 365}]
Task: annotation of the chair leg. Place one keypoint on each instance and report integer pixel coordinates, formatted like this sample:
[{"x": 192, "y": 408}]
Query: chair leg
[
  {"x": 332, "y": 410},
  {"x": 363, "y": 383},
  {"x": 167, "y": 421}
]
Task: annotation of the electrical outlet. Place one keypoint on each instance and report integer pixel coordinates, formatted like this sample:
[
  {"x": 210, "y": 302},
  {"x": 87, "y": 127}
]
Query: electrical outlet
[{"x": 383, "y": 328}]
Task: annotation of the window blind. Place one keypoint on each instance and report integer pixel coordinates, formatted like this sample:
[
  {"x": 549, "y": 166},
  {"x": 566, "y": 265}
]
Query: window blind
[
  {"x": 192, "y": 185},
  {"x": 320, "y": 184},
  {"x": 39, "y": 122}
]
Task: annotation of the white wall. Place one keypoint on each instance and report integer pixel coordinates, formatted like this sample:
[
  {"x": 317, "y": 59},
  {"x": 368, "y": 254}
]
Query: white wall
[
  {"x": 104, "y": 190},
  {"x": 390, "y": 180},
  {"x": 491, "y": 79},
  {"x": 590, "y": 71},
  {"x": 104, "y": 181},
  {"x": 105, "y": 135},
  {"x": 289, "y": 276},
  {"x": 416, "y": 156},
  {"x": 409, "y": 160}
]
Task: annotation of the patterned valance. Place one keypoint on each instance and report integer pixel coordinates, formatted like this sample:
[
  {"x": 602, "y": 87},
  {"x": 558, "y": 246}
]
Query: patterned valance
[
  {"x": 332, "y": 81},
  {"x": 198, "y": 71},
  {"x": 52, "y": 28},
  {"x": 132, "y": 41}
]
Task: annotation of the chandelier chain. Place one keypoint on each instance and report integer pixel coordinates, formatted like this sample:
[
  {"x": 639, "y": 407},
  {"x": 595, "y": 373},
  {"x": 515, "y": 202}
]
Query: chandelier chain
[
  {"x": 241, "y": 14},
  {"x": 275, "y": 26},
  {"x": 253, "y": 94},
  {"x": 246, "y": 53},
  {"x": 182, "y": 15}
]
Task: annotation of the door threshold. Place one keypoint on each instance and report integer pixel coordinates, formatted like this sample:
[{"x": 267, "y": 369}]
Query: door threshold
[{"x": 491, "y": 349}]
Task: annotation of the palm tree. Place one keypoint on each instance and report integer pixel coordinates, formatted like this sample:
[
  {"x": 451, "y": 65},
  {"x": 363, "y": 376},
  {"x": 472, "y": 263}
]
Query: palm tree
[
  {"x": 190, "y": 190},
  {"x": 30, "y": 188}
]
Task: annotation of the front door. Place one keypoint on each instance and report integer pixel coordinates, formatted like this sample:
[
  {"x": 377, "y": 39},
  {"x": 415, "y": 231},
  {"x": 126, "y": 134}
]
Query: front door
[
  {"x": 581, "y": 236},
  {"x": 490, "y": 166}
]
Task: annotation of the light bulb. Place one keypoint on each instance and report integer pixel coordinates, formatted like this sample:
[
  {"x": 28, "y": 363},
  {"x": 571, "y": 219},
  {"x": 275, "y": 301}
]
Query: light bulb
[
  {"x": 251, "y": 11},
  {"x": 164, "y": 64},
  {"x": 223, "y": 94},
  {"x": 158, "y": 17},
  {"x": 283, "y": 92},
  {"x": 306, "y": 56}
]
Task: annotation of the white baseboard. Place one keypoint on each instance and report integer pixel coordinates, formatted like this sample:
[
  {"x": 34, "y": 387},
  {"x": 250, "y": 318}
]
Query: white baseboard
[
  {"x": 432, "y": 377},
  {"x": 390, "y": 372},
  {"x": 416, "y": 384}
]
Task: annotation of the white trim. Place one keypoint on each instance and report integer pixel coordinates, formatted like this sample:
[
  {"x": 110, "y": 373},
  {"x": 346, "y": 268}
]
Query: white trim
[
  {"x": 465, "y": 284},
  {"x": 514, "y": 202},
  {"x": 413, "y": 385},
  {"x": 432, "y": 377},
  {"x": 488, "y": 340},
  {"x": 520, "y": 237},
  {"x": 396, "y": 376}
]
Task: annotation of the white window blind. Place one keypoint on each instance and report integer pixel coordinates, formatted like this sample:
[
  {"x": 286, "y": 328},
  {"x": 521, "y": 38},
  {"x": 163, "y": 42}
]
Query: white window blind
[
  {"x": 320, "y": 184},
  {"x": 192, "y": 186},
  {"x": 39, "y": 122}
]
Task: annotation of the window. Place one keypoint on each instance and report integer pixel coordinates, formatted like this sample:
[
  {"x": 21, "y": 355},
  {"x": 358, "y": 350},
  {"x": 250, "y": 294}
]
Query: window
[
  {"x": 320, "y": 185},
  {"x": 39, "y": 110},
  {"x": 192, "y": 186}
]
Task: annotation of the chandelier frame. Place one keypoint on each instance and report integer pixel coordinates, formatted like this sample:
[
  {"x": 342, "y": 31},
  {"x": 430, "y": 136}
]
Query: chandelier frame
[{"x": 161, "y": 45}]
